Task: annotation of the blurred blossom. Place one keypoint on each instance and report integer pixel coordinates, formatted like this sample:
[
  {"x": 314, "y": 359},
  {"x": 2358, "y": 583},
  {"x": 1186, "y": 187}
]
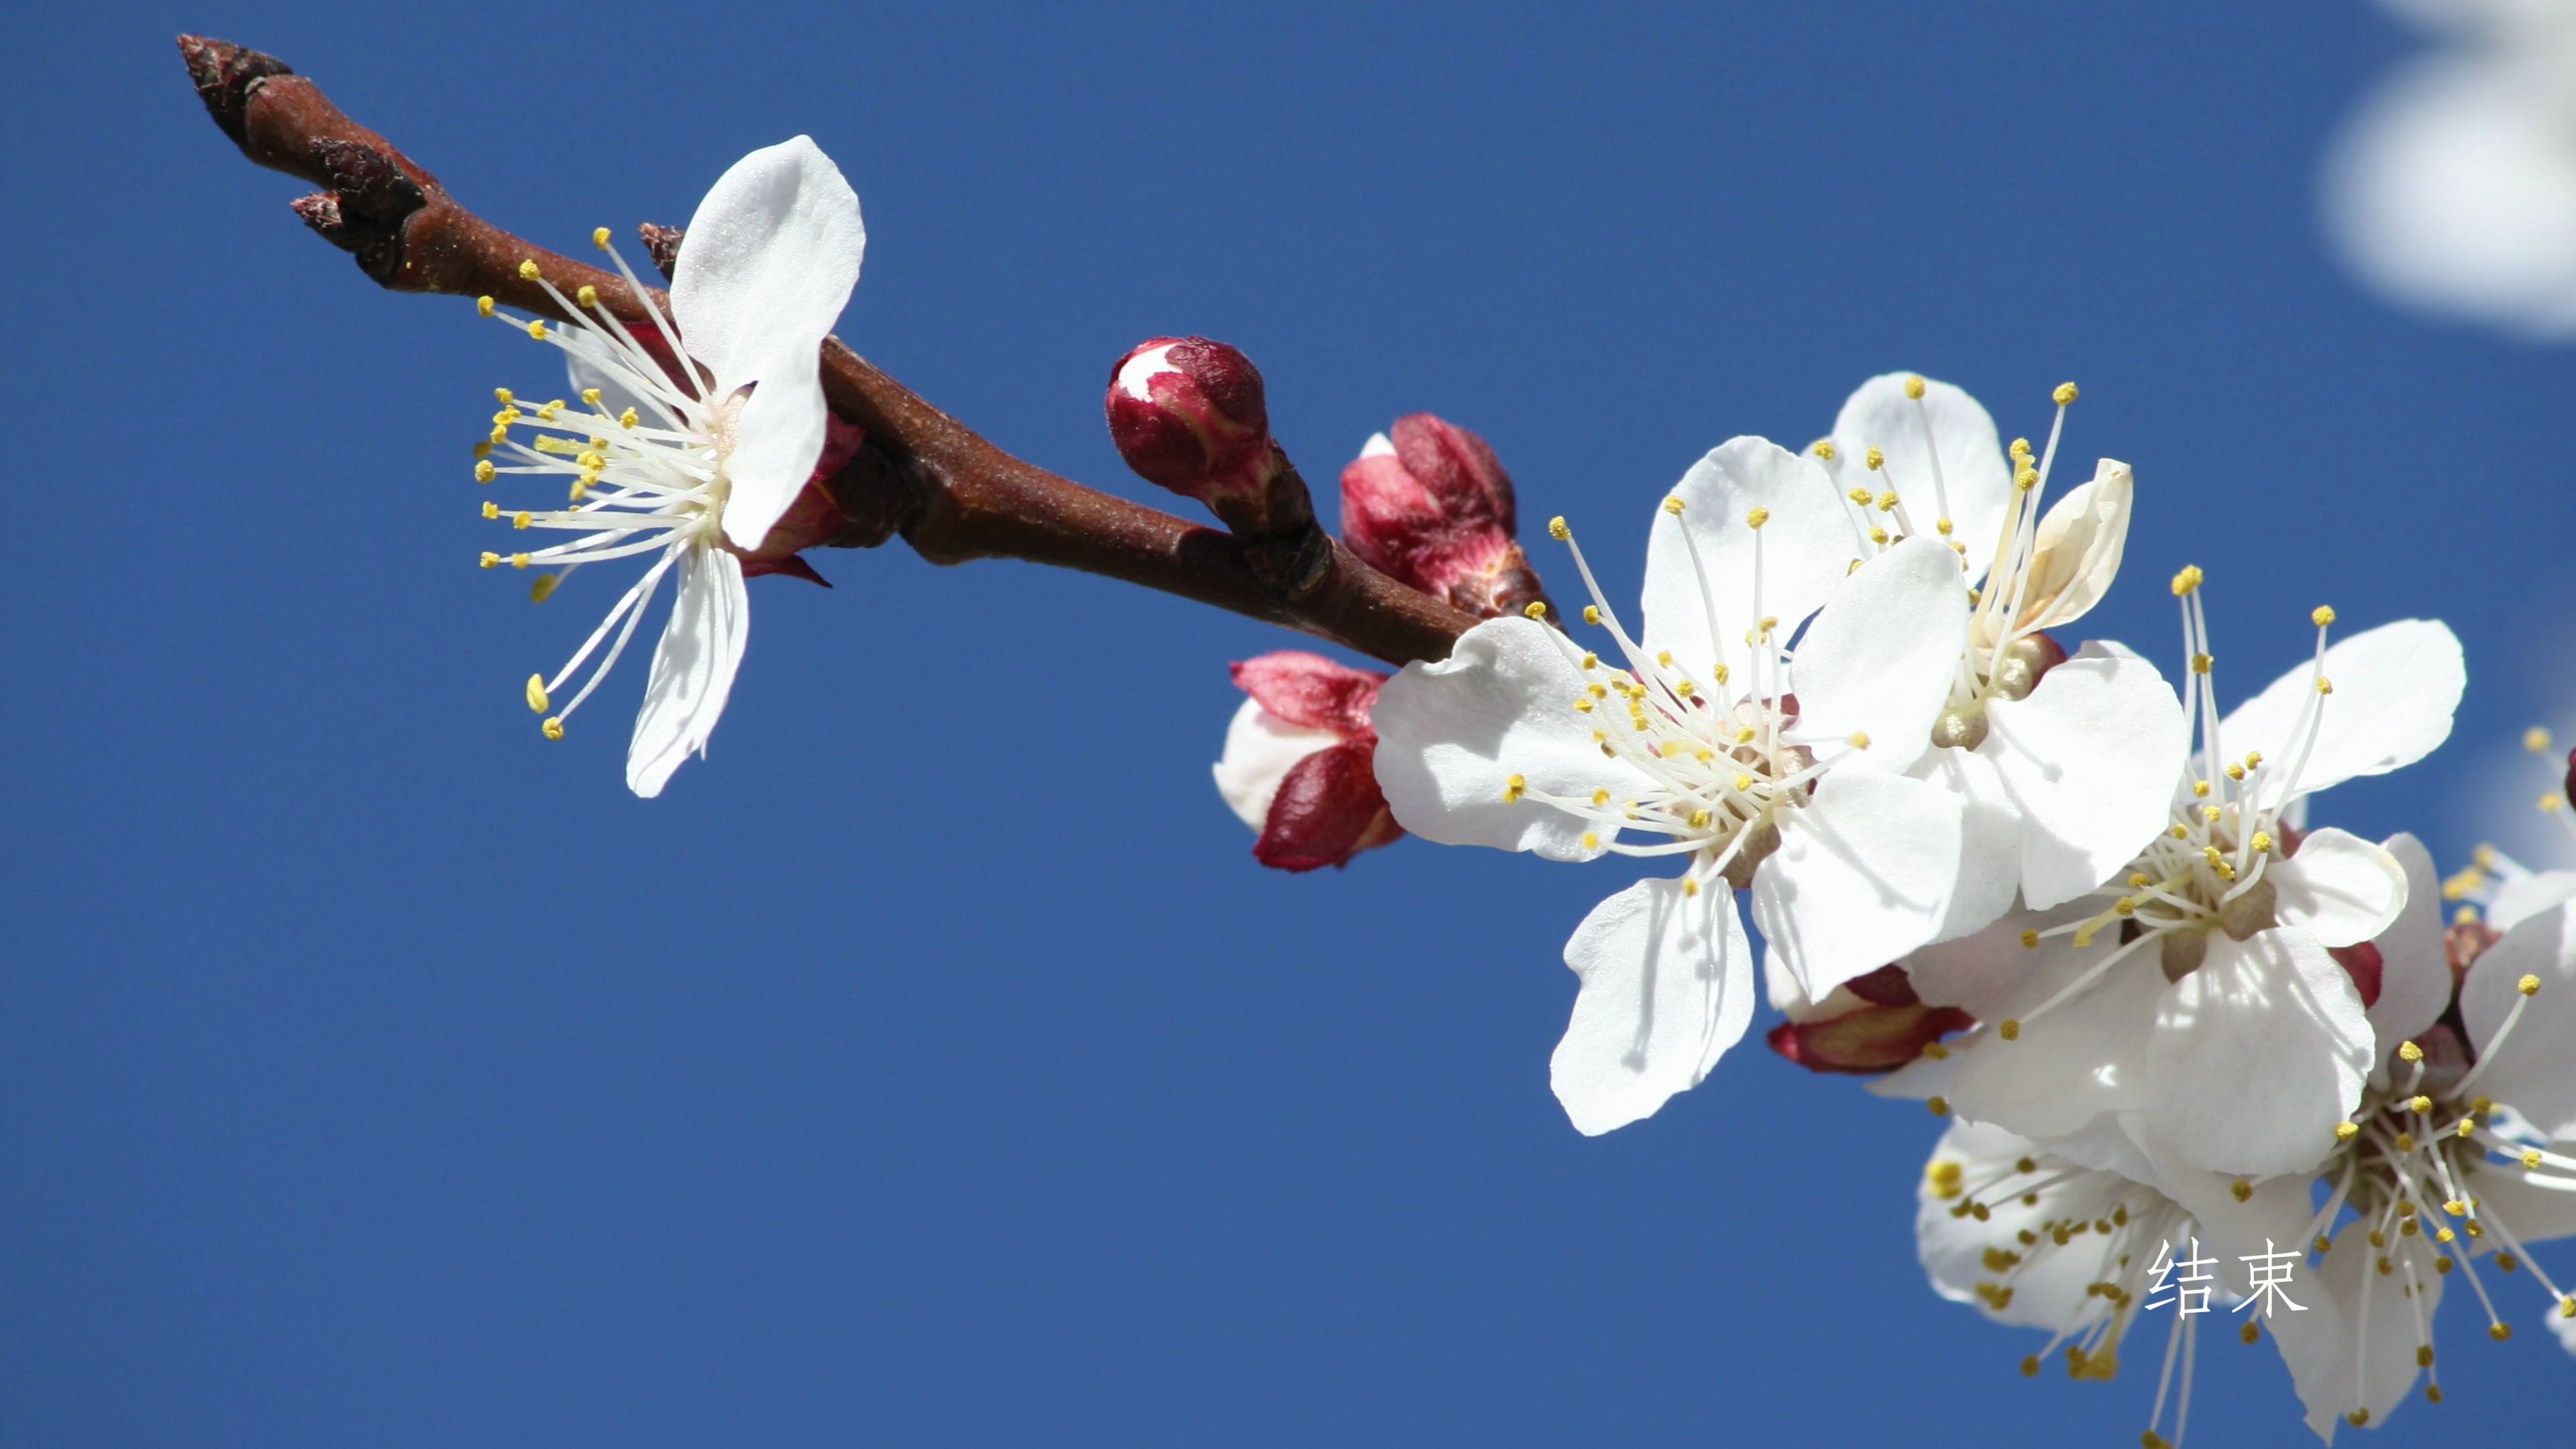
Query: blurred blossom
[{"x": 2454, "y": 186}]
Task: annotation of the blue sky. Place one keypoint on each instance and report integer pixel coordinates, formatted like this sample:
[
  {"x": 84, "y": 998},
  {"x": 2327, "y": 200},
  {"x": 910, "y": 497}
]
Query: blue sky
[{"x": 932, "y": 1064}]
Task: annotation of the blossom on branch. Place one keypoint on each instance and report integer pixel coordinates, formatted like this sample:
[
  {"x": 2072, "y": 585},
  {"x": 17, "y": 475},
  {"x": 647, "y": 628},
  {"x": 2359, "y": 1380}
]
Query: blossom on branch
[
  {"x": 1704, "y": 740},
  {"x": 695, "y": 434},
  {"x": 1296, "y": 766}
]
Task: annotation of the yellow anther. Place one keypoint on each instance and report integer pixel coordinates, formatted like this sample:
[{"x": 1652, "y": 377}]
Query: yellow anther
[
  {"x": 1936, "y": 1051},
  {"x": 518, "y": 560},
  {"x": 490, "y": 559},
  {"x": 2241, "y": 1190},
  {"x": 1665, "y": 658},
  {"x": 2200, "y": 663},
  {"x": 626, "y": 419},
  {"x": 2321, "y": 616},
  {"x": 1600, "y": 798},
  {"x": 483, "y": 305},
  {"x": 2262, "y": 842},
  {"x": 2346, "y": 1131},
  {"x": 2030, "y": 1366},
  {"x": 491, "y": 510},
  {"x": 482, "y": 450},
  {"x": 1557, "y": 530},
  {"x": 2211, "y": 813},
  {"x": 599, "y": 237},
  {"x": 2405, "y": 1142},
  {"x": 1591, "y": 614},
  {"x": 1914, "y": 388},
  {"x": 2084, "y": 936},
  {"x": 1720, "y": 674},
  {"x": 2467, "y": 1126},
  {"x": 2181, "y": 832},
  {"x": 1860, "y": 496},
  {"x": 2137, "y": 878},
  {"x": 2500, "y": 1331},
  {"x": 1699, "y": 820},
  {"x": 2551, "y": 802},
  {"x": 1887, "y": 501},
  {"x": 1943, "y": 526},
  {"x": 1673, "y": 506},
  {"x": 2324, "y": 685},
  {"x": 590, "y": 397},
  {"x": 2026, "y": 479},
  {"x": 1823, "y": 448},
  {"x": 2063, "y": 394},
  {"x": 484, "y": 472},
  {"x": 2200, "y": 789},
  {"x": 1757, "y": 517},
  {"x": 537, "y": 701},
  {"x": 588, "y": 296},
  {"x": 1537, "y": 609},
  {"x": 1878, "y": 535},
  {"x": 519, "y": 519},
  {"x": 2186, "y": 581},
  {"x": 2536, "y": 740},
  {"x": 537, "y": 330},
  {"x": 2530, "y": 1158},
  {"x": 2124, "y": 907},
  {"x": 1860, "y": 739},
  {"x": 1743, "y": 782},
  {"x": 1591, "y": 841},
  {"x": 504, "y": 396},
  {"x": 2009, "y": 1029},
  {"x": 2464, "y": 916},
  {"x": 528, "y": 271},
  {"x": 2020, "y": 448},
  {"x": 1514, "y": 788},
  {"x": 1598, "y": 692},
  {"x": 2528, "y": 986},
  {"x": 548, "y": 412},
  {"x": 1744, "y": 734},
  {"x": 2235, "y": 771},
  {"x": 1685, "y": 689},
  {"x": 1591, "y": 661},
  {"x": 553, "y": 727},
  {"x": 542, "y": 587},
  {"x": 2408, "y": 1051},
  {"x": 1690, "y": 887},
  {"x": 2420, "y": 1104},
  {"x": 1938, "y": 1106},
  {"x": 2212, "y": 853},
  {"x": 1875, "y": 459},
  {"x": 2030, "y": 939}
]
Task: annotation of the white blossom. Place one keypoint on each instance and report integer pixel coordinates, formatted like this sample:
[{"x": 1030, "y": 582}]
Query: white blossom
[{"x": 693, "y": 435}]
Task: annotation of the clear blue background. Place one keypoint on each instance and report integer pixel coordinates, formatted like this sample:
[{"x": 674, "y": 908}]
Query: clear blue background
[{"x": 933, "y": 1064}]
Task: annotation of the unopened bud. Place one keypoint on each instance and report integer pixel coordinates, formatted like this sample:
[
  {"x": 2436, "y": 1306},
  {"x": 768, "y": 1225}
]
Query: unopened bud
[
  {"x": 1297, "y": 765},
  {"x": 1189, "y": 414},
  {"x": 1428, "y": 503}
]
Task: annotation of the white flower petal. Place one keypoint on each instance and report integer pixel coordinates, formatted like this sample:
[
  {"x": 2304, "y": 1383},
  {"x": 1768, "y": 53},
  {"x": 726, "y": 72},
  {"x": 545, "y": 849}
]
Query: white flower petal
[
  {"x": 2518, "y": 900},
  {"x": 1973, "y": 473},
  {"x": 2257, "y": 1055},
  {"x": 2415, "y": 964},
  {"x": 2339, "y": 889},
  {"x": 2088, "y": 761},
  {"x": 1806, "y": 549},
  {"x": 1990, "y": 831},
  {"x": 1260, "y": 750},
  {"x": 2076, "y": 552},
  {"x": 2395, "y": 688},
  {"x": 771, "y": 256},
  {"x": 2355, "y": 1346},
  {"x": 1880, "y": 658},
  {"x": 2534, "y": 1072},
  {"x": 1862, "y": 876},
  {"x": 1452, "y": 734},
  {"x": 1667, "y": 987},
  {"x": 693, "y": 668},
  {"x": 778, "y": 437},
  {"x": 2076, "y": 1066},
  {"x": 2049, "y": 1291}
]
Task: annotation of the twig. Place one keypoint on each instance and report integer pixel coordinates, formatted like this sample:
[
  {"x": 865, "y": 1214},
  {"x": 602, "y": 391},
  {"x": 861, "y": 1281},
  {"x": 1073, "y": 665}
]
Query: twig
[{"x": 920, "y": 473}]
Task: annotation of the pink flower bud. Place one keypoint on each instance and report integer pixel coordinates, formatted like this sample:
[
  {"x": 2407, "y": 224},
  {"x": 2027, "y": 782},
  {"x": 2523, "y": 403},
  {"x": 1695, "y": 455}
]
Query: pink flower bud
[
  {"x": 1871, "y": 1024},
  {"x": 1189, "y": 414},
  {"x": 1297, "y": 765},
  {"x": 1428, "y": 503}
]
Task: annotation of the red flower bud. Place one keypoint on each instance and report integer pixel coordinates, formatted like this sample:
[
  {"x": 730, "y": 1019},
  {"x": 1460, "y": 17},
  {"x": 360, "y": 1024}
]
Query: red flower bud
[
  {"x": 1297, "y": 764},
  {"x": 2363, "y": 963},
  {"x": 1189, "y": 414},
  {"x": 1876, "y": 1024},
  {"x": 1428, "y": 503},
  {"x": 2567, "y": 785}
]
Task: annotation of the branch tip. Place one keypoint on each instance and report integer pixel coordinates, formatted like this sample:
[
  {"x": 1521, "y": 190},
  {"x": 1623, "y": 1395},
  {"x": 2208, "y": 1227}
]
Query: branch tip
[{"x": 227, "y": 76}]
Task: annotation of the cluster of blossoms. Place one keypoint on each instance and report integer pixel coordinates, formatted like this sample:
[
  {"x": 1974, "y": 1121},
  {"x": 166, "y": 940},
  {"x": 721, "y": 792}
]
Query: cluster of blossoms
[{"x": 2082, "y": 914}]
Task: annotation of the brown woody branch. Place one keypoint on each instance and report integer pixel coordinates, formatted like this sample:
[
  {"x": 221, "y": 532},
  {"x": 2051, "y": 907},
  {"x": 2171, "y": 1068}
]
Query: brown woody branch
[{"x": 920, "y": 473}]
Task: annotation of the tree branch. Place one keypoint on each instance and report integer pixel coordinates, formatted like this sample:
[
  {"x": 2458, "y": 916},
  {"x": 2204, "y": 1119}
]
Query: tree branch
[{"x": 949, "y": 492}]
